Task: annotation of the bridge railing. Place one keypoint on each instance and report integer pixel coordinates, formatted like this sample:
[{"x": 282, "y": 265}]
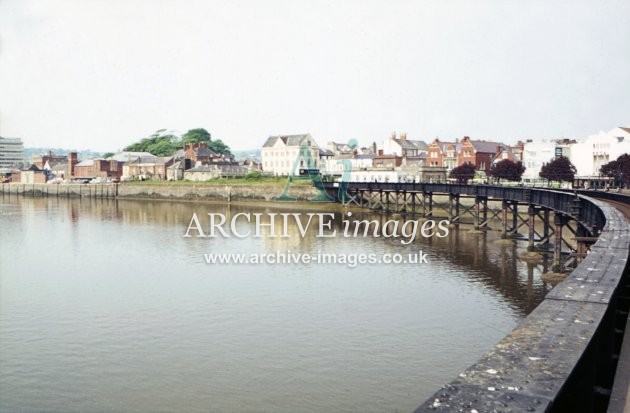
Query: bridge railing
[{"x": 590, "y": 216}]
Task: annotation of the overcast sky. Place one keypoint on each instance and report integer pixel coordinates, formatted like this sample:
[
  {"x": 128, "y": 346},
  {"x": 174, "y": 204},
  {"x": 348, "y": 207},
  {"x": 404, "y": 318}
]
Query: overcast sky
[{"x": 101, "y": 74}]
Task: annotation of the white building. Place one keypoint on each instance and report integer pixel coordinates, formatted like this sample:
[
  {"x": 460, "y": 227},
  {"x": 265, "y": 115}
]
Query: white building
[
  {"x": 336, "y": 165},
  {"x": 402, "y": 146},
  {"x": 596, "y": 150},
  {"x": 280, "y": 152},
  {"x": 11, "y": 152},
  {"x": 535, "y": 154}
]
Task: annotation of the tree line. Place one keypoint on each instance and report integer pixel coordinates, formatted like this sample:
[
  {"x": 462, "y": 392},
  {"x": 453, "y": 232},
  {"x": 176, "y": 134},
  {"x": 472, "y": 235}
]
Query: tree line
[
  {"x": 163, "y": 143},
  {"x": 558, "y": 169}
]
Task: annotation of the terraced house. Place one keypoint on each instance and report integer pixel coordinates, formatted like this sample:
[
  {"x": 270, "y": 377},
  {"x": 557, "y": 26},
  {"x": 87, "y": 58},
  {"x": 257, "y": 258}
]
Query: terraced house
[{"x": 478, "y": 152}]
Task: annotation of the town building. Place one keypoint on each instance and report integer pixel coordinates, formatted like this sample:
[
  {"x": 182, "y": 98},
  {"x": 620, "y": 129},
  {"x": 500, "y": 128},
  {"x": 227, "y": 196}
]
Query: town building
[
  {"x": 98, "y": 168},
  {"x": 50, "y": 158},
  {"x": 480, "y": 153},
  {"x": 279, "y": 153},
  {"x": 214, "y": 171},
  {"x": 200, "y": 154},
  {"x": 148, "y": 167},
  {"x": 442, "y": 154},
  {"x": 336, "y": 165},
  {"x": 596, "y": 150},
  {"x": 503, "y": 154},
  {"x": 33, "y": 175},
  {"x": 404, "y": 147},
  {"x": 11, "y": 152},
  {"x": 538, "y": 153},
  {"x": 56, "y": 169},
  {"x": 340, "y": 149}
]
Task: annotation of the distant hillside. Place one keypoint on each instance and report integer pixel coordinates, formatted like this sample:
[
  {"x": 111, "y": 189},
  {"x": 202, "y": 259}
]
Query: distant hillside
[
  {"x": 247, "y": 154},
  {"x": 87, "y": 154}
]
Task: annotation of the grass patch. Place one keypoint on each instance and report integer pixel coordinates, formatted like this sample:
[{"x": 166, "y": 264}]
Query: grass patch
[{"x": 273, "y": 181}]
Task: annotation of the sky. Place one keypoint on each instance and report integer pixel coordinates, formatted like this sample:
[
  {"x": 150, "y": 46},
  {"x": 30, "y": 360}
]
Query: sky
[{"x": 96, "y": 74}]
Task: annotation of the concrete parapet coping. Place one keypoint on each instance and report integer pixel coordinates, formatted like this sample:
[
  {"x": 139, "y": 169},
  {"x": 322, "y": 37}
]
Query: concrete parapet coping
[{"x": 561, "y": 354}]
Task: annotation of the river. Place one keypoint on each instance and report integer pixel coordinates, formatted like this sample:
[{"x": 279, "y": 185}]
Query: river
[{"x": 106, "y": 307}]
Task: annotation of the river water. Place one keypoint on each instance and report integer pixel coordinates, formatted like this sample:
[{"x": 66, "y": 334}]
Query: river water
[{"x": 106, "y": 307}]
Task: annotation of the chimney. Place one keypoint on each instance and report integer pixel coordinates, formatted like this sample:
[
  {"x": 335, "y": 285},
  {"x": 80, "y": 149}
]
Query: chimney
[
  {"x": 72, "y": 161},
  {"x": 380, "y": 152},
  {"x": 403, "y": 136},
  {"x": 203, "y": 145},
  {"x": 394, "y": 135}
]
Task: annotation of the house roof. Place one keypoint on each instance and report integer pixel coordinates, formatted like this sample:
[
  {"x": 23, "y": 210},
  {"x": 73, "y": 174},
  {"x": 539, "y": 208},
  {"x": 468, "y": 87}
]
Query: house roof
[
  {"x": 407, "y": 144},
  {"x": 126, "y": 156},
  {"x": 625, "y": 129},
  {"x": 32, "y": 167},
  {"x": 288, "y": 140},
  {"x": 151, "y": 159},
  {"x": 495, "y": 158},
  {"x": 205, "y": 151},
  {"x": 325, "y": 152},
  {"x": 365, "y": 156},
  {"x": 443, "y": 145},
  {"x": 485, "y": 146},
  {"x": 421, "y": 145},
  {"x": 87, "y": 162}
]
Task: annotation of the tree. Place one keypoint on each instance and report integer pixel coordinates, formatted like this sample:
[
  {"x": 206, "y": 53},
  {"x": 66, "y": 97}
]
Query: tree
[
  {"x": 463, "y": 173},
  {"x": 619, "y": 169},
  {"x": 508, "y": 170},
  {"x": 219, "y": 147},
  {"x": 559, "y": 169},
  {"x": 159, "y": 144},
  {"x": 196, "y": 136},
  {"x": 162, "y": 143},
  {"x": 108, "y": 155}
]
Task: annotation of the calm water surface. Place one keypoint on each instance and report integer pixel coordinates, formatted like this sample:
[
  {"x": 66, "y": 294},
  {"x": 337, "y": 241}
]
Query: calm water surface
[{"x": 105, "y": 307}]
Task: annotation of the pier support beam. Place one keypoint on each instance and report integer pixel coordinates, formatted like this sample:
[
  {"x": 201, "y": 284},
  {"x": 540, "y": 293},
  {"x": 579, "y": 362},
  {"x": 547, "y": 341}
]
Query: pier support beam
[
  {"x": 453, "y": 208},
  {"x": 504, "y": 214},
  {"x": 559, "y": 221},
  {"x": 427, "y": 204},
  {"x": 514, "y": 218},
  {"x": 481, "y": 212},
  {"x": 531, "y": 211}
]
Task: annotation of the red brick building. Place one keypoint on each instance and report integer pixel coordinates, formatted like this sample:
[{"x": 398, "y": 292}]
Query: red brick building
[
  {"x": 439, "y": 153},
  {"x": 478, "y": 153},
  {"x": 98, "y": 168},
  {"x": 199, "y": 153},
  {"x": 41, "y": 160},
  {"x": 387, "y": 161}
]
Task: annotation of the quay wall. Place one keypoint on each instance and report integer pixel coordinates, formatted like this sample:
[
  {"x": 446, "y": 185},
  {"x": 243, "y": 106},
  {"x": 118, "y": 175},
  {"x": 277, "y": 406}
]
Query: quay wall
[{"x": 192, "y": 191}]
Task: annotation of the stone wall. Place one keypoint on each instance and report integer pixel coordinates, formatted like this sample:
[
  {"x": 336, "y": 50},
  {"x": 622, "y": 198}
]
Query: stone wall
[{"x": 240, "y": 192}]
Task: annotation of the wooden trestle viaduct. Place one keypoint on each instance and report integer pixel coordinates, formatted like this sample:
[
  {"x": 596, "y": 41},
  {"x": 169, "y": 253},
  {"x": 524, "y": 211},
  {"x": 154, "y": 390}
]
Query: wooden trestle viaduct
[{"x": 549, "y": 220}]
